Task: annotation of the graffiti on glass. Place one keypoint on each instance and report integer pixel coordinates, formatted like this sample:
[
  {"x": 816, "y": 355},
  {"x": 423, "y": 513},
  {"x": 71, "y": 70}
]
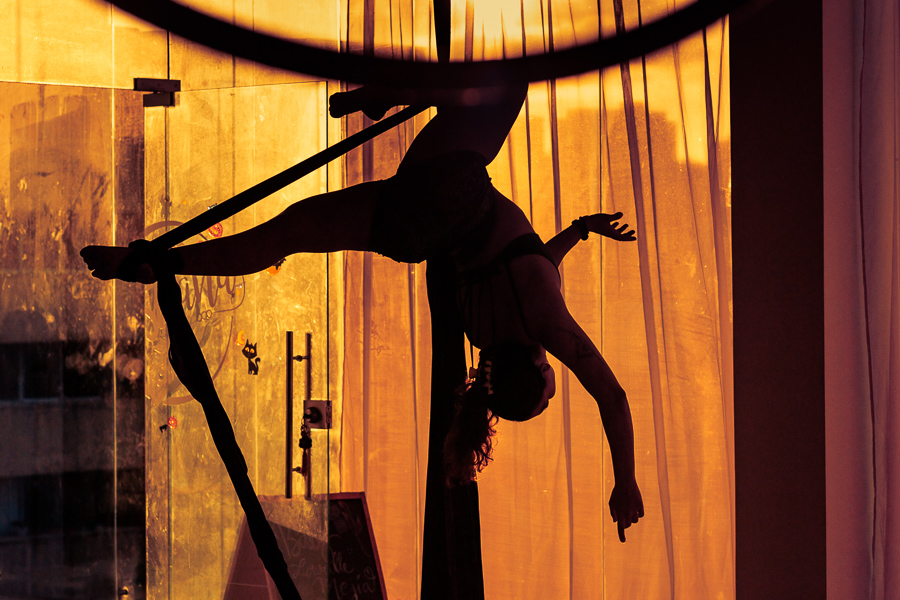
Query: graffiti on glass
[{"x": 210, "y": 303}]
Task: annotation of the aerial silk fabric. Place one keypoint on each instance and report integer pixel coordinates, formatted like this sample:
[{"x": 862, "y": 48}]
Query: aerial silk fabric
[
  {"x": 862, "y": 287},
  {"x": 649, "y": 139}
]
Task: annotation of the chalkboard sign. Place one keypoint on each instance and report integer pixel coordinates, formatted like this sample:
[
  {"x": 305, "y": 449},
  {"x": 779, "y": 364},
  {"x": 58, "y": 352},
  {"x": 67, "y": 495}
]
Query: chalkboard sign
[
  {"x": 354, "y": 570},
  {"x": 353, "y": 567}
]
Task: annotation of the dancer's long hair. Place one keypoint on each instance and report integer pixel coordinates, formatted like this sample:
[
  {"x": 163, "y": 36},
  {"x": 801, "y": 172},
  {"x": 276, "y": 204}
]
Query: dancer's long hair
[{"x": 507, "y": 385}]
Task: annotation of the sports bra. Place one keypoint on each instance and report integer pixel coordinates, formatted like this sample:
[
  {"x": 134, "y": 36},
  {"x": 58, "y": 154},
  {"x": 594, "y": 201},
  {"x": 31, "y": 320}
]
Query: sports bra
[{"x": 484, "y": 294}]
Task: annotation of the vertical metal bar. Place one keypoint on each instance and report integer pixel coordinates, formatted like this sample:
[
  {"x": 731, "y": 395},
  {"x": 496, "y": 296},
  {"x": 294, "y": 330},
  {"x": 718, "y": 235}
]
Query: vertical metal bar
[
  {"x": 289, "y": 417},
  {"x": 308, "y": 366},
  {"x": 307, "y": 472}
]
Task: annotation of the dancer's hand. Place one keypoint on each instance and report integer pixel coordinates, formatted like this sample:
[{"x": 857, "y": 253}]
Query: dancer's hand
[
  {"x": 607, "y": 225},
  {"x": 104, "y": 263},
  {"x": 626, "y": 506}
]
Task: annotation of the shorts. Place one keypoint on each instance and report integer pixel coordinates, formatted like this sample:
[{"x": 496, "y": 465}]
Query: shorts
[{"x": 433, "y": 208}]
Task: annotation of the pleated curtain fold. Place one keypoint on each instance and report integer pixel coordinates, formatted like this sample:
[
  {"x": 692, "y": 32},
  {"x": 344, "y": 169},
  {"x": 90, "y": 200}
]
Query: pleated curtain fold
[{"x": 862, "y": 287}]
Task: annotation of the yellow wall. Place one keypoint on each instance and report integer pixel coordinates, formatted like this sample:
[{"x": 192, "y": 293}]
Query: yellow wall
[{"x": 92, "y": 43}]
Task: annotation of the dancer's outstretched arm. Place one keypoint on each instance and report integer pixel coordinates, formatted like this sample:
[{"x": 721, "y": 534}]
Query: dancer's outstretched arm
[
  {"x": 600, "y": 223},
  {"x": 549, "y": 319}
]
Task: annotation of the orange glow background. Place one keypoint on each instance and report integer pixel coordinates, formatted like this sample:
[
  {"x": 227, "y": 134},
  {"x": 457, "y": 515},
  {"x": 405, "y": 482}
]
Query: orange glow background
[{"x": 657, "y": 149}]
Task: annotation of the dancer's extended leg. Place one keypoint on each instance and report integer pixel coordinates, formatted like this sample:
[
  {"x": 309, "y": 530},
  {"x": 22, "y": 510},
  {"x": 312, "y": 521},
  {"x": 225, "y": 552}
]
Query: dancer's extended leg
[
  {"x": 337, "y": 220},
  {"x": 329, "y": 222}
]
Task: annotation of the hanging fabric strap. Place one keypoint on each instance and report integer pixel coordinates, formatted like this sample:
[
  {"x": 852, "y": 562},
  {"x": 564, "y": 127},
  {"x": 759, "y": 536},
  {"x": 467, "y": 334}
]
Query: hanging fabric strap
[
  {"x": 252, "y": 195},
  {"x": 451, "y": 547},
  {"x": 190, "y": 367},
  {"x": 186, "y": 356}
]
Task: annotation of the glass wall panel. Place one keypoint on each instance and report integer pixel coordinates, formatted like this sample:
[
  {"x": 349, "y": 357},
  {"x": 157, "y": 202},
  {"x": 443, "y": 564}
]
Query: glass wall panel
[
  {"x": 71, "y": 347},
  {"x": 80, "y": 386},
  {"x": 213, "y": 144}
]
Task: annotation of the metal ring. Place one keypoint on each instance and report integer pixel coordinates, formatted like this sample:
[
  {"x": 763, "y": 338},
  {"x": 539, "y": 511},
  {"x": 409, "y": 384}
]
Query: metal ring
[{"x": 301, "y": 58}]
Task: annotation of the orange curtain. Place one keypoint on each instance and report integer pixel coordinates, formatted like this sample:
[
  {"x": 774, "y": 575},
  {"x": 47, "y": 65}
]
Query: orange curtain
[{"x": 650, "y": 139}]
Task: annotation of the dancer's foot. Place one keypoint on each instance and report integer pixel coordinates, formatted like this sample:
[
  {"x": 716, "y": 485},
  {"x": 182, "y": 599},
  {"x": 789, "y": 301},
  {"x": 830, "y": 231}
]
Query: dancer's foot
[
  {"x": 344, "y": 103},
  {"x": 105, "y": 261}
]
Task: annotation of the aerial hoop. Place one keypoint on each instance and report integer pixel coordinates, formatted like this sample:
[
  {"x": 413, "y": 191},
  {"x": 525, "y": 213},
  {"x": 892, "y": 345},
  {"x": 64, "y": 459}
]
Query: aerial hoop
[{"x": 302, "y": 58}]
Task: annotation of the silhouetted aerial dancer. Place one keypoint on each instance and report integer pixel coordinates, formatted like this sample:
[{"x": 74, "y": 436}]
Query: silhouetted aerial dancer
[{"x": 441, "y": 204}]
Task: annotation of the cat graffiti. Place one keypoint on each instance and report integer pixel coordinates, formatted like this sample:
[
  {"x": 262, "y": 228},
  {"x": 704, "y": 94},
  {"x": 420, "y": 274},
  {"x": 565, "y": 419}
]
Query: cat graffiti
[{"x": 249, "y": 351}]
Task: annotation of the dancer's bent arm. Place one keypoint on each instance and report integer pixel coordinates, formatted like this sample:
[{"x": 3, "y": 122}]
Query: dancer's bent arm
[{"x": 600, "y": 223}]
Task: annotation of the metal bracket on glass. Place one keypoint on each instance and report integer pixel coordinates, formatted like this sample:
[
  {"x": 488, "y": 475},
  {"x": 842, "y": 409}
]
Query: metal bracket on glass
[
  {"x": 317, "y": 414},
  {"x": 162, "y": 90}
]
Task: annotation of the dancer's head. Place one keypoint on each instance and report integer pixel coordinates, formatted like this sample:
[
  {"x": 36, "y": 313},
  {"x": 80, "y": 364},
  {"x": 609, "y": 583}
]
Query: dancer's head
[{"x": 513, "y": 382}]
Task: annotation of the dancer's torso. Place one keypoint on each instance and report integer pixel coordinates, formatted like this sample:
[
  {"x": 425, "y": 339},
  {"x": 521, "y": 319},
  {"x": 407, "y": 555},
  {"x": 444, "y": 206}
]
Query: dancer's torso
[{"x": 495, "y": 284}]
